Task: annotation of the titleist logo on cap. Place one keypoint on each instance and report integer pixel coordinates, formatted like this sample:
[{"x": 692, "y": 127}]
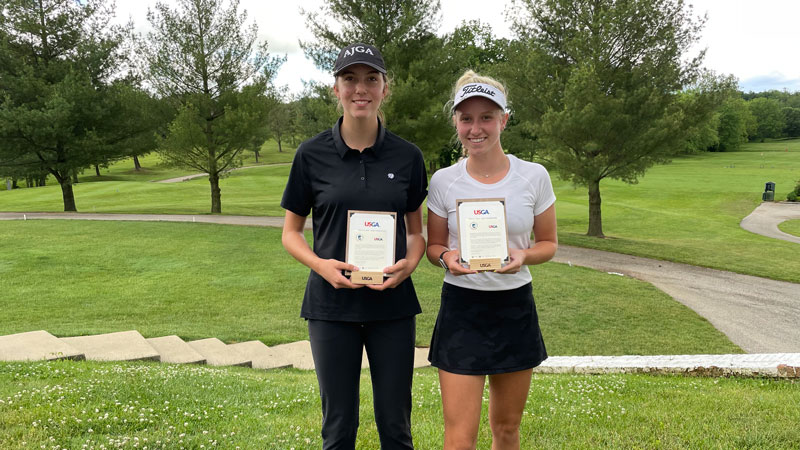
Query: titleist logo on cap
[
  {"x": 470, "y": 88},
  {"x": 482, "y": 90}
]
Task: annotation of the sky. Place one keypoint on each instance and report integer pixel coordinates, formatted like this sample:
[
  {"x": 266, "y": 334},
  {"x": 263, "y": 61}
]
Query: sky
[{"x": 755, "y": 41}]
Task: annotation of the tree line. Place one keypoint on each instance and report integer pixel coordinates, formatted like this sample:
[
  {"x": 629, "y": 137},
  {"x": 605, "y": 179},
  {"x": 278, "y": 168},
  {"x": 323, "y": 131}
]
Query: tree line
[
  {"x": 746, "y": 117},
  {"x": 598, "y": 89}
]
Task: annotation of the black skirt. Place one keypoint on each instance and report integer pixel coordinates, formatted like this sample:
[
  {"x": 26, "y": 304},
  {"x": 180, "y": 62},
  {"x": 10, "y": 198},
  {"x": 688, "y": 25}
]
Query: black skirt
[{"x": 486, "y": 332}]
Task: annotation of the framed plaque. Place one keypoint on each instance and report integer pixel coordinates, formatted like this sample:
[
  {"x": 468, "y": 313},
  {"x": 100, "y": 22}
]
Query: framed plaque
[
  {"x": 482, "y": 233},
  {"x": 370, "y": 244}
]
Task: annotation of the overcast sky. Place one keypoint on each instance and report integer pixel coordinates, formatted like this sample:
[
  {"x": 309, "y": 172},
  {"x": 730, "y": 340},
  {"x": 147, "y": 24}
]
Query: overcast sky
[{"x": 756, "y": 41}]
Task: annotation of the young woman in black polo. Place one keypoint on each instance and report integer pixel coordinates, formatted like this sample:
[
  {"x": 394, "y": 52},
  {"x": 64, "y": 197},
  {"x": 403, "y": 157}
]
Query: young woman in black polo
[{"x": 358, "y": 165}]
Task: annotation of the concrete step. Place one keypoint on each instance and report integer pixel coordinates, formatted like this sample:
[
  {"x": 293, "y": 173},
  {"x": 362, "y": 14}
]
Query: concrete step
[
  {"x": 218, "y": 353},
  {"x": 262, "y": 356},
  {"x": 36, "y": 346},
  {"x": 175, "y": 351},
  {"x": 420, "y": 358},
  {"x": 297, "y": 353},
  {"x": 120, "y": 346},
  {"x": 783, "y": 365}
]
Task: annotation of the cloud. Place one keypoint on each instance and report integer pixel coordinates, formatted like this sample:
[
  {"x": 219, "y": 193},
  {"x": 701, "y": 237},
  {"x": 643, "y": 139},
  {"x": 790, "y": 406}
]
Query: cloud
[{"x": 772, "y": 81}]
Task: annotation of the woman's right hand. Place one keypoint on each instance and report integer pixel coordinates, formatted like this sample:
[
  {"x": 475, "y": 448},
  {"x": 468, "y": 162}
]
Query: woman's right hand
[
  {"x": 331, "y": 271},
  {"x": 451, "y": 258}
]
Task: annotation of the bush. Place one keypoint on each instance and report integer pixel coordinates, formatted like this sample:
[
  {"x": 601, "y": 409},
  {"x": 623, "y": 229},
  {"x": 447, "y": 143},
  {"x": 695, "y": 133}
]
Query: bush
[{"x": 794, "y": 195}]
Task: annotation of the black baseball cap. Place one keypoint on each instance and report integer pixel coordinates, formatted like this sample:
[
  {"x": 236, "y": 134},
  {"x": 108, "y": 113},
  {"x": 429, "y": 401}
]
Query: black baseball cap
[{"x": 359, "y": 53}]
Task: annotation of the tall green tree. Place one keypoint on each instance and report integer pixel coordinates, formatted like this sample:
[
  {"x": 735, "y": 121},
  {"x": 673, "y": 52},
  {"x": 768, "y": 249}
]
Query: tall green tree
[
  {"x": 59, "y": 102},
  {"x": 203, "y": 57},
  {"x": 280, "y": 122},
  {"x": 735, "y": 120},
  {"x": 422, "y": 65},
  {"x": 600, "y": 82},
  {"x": 791, "y": 118},
  {"x": 315, "y": 108},
  {"x": 393, "y": 26},
  {"x": 769, "y": 117}
]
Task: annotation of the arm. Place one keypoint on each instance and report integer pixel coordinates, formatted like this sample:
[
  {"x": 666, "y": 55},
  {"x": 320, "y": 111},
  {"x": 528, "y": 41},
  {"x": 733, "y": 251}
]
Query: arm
[
  {"x": 295, "y": 243},
  {"x": 438, "y": 234},
  {"x": 415, "y": 247},
  {"x": 545, "y": 243}
]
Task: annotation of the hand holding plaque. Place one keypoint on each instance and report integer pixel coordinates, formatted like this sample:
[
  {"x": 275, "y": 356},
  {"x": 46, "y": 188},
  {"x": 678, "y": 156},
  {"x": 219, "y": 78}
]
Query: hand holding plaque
[
  {"x": 370, "y": 244},
  {"x": 482, "y": 233}
]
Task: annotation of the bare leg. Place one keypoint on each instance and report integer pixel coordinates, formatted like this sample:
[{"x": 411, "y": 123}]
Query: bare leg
[
  {"x": 508, "y": 393},
  {"x": 461, "y": 403}
]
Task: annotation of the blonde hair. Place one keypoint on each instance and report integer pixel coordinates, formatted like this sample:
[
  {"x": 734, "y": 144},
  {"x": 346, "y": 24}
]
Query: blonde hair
[{"x": 471, "y": 77}]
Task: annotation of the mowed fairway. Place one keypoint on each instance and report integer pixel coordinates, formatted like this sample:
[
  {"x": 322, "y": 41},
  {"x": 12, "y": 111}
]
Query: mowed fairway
[
  {"x": 238, "y": 283},
  {"x": 687, "y": 211},
  {"x": 790, "y": 226},
  {"x": 254, "y": 191}
]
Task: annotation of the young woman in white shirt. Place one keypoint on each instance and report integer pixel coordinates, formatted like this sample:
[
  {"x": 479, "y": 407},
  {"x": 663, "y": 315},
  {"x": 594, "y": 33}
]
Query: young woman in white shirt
[{"x": 487, "y": 323}]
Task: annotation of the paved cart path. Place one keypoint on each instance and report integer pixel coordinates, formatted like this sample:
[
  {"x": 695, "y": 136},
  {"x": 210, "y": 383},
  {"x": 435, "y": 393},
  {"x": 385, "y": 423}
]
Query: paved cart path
[
  {"x": 765, "y": 218},
  {"x": 758, "y": 314}
]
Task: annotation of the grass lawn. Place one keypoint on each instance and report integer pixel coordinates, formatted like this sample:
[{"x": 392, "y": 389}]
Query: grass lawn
[
  {"x": 255, "y": 191},
  {"x": 790, "y": 226},
  {"x": 772, "y": 145},
  {"x": 687, "y": 211},
  {"x": 118, "y": 405},
  {"x": 154, "y": 169},
  {"x": 238, "y": 283}
]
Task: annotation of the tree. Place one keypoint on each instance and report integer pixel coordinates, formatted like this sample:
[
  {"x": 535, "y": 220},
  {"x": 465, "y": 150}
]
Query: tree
[
  {"x": 392, "y": 26},
  {"x": 422, "y": 65},
  {"x": 280, "y": 122},
  {"x": 769, "y": 117},
  {"x": 600, "y": 83},
  {"x": 316, "y": 110},
  {"x": 204, "y": 59},
  {"x": 791, "y": 117},
  {"x": 734, "y": 121},
  {"x": 59, "y": 104}
]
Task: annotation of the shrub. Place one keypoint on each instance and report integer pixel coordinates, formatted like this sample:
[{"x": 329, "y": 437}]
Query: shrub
[{"x": 794, "y": 195}]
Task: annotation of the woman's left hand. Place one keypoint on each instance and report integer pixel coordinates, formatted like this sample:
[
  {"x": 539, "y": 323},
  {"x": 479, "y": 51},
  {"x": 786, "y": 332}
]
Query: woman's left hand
[
  {"x": 397, "y": 273},
  {"x": 517, "y": 258}
]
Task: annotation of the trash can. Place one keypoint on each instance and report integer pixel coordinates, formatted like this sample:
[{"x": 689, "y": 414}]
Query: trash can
[
  {"x": 770, "y": 187},
  {"x": 768, "y": 196}
]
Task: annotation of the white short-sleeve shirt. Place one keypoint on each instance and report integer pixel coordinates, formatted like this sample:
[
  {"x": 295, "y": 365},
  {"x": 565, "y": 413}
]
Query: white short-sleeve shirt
[{"x": 528, "y": 192}]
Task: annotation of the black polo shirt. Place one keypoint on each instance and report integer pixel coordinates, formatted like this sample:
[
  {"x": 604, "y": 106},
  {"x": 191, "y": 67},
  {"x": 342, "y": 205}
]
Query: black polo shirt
[{"x": 327, "y": 179}]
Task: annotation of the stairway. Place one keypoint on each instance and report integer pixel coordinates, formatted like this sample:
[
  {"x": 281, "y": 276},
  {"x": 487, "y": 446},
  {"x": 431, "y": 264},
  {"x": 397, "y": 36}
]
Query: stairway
[{"x": 132, "y": 346}]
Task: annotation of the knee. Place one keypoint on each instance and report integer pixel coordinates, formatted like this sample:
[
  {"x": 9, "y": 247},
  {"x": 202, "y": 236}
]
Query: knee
[
  {"x": 460, "y": 441},
  {"x": 505, "y": 431}
]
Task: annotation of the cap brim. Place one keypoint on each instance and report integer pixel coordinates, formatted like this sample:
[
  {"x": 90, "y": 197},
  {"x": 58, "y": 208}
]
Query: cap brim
[
  {"x": 477, "y": 94},
  {"x": 374, "y": 66}
]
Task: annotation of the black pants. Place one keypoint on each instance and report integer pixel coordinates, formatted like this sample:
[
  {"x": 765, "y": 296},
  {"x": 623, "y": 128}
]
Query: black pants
[{"x": 337, "y": 348}]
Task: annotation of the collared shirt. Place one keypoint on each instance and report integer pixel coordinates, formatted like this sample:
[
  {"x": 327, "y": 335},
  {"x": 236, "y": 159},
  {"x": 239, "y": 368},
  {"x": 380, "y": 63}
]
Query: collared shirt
[{"x": 327, "y": 179}]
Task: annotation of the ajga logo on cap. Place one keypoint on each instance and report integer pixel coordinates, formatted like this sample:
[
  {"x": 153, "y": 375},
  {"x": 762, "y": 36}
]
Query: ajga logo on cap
[{"x": 357, "y": 49}]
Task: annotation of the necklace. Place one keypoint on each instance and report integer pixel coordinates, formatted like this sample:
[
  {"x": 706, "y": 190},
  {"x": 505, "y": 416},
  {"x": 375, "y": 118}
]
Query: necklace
[{"x": 484, "y": 175}]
